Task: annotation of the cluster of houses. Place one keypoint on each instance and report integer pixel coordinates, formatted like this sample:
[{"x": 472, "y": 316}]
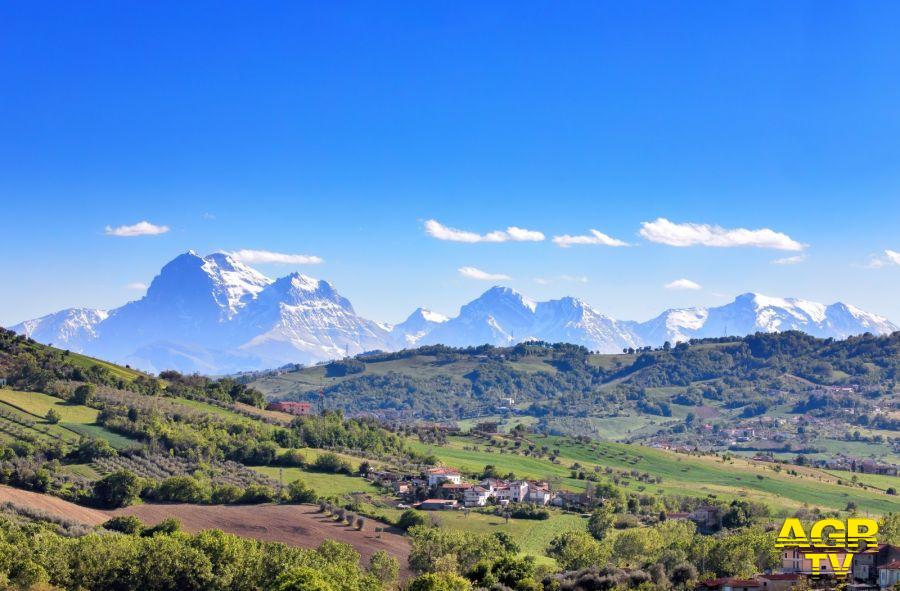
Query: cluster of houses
[
  {"x": 448, "y": 491},
  {"x": 869, "y": 571}
]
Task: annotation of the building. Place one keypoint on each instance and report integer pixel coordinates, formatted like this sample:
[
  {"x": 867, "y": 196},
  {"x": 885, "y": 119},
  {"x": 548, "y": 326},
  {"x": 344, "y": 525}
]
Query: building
[
  {"x": 438, "y": 476},
  {"x": 706, "y": 517},
  {"x": 438, "y": 504},
  {"x": 730, "y": 584},
  {"x": 866, "y": 564},
  {"x": 889, "y": 574},
  {"x": 778, "y": 581},
  {"x": 513, "y": 492},
  {"x": 794, "y": 560},
  {"x": 477, "y": 496},
  {"x": 294, "y": 408}
]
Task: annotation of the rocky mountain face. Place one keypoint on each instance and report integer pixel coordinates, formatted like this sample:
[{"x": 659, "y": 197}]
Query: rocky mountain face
[{"x": 216, "y": 315}]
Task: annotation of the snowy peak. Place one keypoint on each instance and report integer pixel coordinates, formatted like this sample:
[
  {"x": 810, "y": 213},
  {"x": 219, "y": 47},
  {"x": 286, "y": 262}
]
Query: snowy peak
[
  {"x": 421, "y": 322},
  {"x": 753, "y": 312},
  {"x": 69, "y": 329}
]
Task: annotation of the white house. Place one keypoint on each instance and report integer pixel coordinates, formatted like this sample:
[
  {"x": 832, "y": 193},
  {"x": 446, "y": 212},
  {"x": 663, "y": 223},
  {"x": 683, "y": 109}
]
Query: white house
[
  {"x": 889, "y": 574},
  {"x": 477, "y": 496},
  {"x": 437, "y": 476}
]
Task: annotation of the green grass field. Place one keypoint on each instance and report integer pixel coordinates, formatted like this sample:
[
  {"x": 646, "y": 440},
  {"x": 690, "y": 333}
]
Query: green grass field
[
  {"x": 324, "y": 484},
  {"x": 681, "y": 474},
  {"x": 75, "y": 420}
]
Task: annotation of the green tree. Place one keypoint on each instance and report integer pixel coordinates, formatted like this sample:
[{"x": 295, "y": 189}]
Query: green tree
[
  {"x": 440, "y": 582},
  {"x": 299, "y": 492},
  {"x": 889, "y": 529},
  {"x": 410, "y": 518},
  {"x": 117, "y": 489},
  {"x": 574, "y": 550},
  {"x": 52, "y": 416},
  {"x": 126, "y": 524},
  {"x": 84, "y": 394},
  {"x": 601, "y": 521},
  {"x": 385, "y": 568}
]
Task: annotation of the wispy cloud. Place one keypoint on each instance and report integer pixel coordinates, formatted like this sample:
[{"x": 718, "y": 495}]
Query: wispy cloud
[
  {"x": 595, "y": 237},
  {"x": 794, "y": 260},
  {"x": 663, "y": 231},
  {"x": 572, "y": 278},
  {"x": 136, "y": 286},
  {"x": 437, "y": 230},
  {"x": 142, "y": 228},
  {"x": 887, "y": 257},
  {"x": 683, "y": 284},
  {"x": 473, "y": 273},
  {"x": 276, "y": 258}
]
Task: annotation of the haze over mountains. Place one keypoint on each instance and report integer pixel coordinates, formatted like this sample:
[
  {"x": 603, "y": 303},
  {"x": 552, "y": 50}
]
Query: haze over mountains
[{"x": 216, "y": 315}]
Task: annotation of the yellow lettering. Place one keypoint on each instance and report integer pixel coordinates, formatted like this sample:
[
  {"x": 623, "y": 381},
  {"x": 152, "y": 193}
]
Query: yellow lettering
[
  {"x": 792, "y": 535},
  {"x": 814, "y": 561},
  {"x": 862, "y": 529},
  {"x": 840, "y": 569},
  {"x": 827, "y": 533}
]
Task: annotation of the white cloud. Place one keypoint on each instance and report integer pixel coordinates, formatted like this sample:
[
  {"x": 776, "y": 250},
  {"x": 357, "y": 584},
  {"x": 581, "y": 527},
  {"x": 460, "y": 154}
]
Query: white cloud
[
  {"x": 892, "y": 256},
  {"x": 790, "y": 260},
  {"x": 888, "y": 257},
  {"x": 277, "y": 258},
  {"x": 595, "y": 237},
  {"x": 473, "y": 273},
  {"x": 137, "y": 286},
  {"x": 574, "y": 278},
  {"x": 437, "y": 230},
  {"x": 142, "y": 228},
  {"x": 683, "y": 284},
  {"x": 542, "y": 281},
  {"x": 665, "y": 232}
]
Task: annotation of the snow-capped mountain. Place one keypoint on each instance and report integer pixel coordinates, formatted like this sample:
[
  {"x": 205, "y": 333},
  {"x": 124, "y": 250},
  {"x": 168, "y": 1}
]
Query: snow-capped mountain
[
  {"x": 67, "y": 329},
  {"x": 298, "y": 319},
  {"x": 753, "y": 312},
  {"x": 216, "y": 315},
  {"x": 420, "y": 323},
  {"x": 502, "y": 316}
]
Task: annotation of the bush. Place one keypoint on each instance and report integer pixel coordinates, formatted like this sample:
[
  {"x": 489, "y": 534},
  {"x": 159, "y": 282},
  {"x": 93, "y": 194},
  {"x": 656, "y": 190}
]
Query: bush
[
  {"x": 530, "y": 512},
  {"x": 117, "y": 489},
  {"x": 226, "y": 494},
  {"x": 126, "y": 524},
  {"x": 258, "y": 493},
  {"x": 410, "y": 518},
  {"x": 84, "y": 394},
  {"x": 165, "y": 527},
  {"x": 329, "y": 462},
  {"x": 52, "y": 416},
  {"x": 299, "y": 492},
  {"x": 182, "y": 489}
]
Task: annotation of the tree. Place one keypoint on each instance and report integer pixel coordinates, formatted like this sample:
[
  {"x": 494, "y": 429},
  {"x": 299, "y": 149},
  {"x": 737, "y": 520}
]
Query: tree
[
  {"x": 410, "y": 518},
  {"x": 440, "y": 582},
  {"x": 126, "y": 524},
  {"x": 84, "y": 394},
  {"x": 600, "y": 522},
  {"x": 299, "y": 492},
  {"x": 889, "y": 529},
  {"x": 182, "y": 489},
  {"x": 384, "y": 567},
  {"x": 574, "y": 550},
  {"x": 684, "y": 575},
  {"x": 118, "y": 489},
  {"x": 52, "y": 416}
]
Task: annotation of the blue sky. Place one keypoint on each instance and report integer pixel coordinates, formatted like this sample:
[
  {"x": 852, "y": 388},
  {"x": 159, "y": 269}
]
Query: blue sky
[{"x": 339, "y": 131}]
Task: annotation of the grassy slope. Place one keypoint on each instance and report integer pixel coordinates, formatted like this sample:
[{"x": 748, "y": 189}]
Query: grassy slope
[
  {"x": 324, "y": 484},
  {"x": 75, "y": 419},
  {"x": 682, "y": 474}
]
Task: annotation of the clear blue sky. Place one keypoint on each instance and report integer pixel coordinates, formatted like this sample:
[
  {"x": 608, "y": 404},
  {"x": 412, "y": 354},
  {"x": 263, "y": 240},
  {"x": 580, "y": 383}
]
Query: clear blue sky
[{"x": 338, "y": 129}]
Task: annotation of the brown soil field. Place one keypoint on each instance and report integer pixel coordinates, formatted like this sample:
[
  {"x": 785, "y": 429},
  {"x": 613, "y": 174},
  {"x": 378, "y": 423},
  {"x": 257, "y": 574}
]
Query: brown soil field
[
  {"x": 294, "y": 525},
  {"x": 52, "y": 505}
]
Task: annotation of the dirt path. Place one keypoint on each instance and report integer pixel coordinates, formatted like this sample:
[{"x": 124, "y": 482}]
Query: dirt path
[{"x": 294, "y": 525}]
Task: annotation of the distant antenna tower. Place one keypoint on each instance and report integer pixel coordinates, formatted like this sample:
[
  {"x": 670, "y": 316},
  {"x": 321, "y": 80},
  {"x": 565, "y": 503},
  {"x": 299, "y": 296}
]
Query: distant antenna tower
[
  {"x": 726, "y": 330},
  {"x": 346, "y": 349}
]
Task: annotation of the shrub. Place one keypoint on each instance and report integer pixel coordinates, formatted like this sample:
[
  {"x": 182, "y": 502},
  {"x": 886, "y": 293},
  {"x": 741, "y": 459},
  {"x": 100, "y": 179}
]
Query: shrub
[
  {"x": 258, "y": 493},
  {"x": 118, "y": 489},
  {"x": 299, "y": 492},
  {"x": 126, "y": 524},
  {"x": 410, "y": 518},
  {"x": 329, "y": 462}
]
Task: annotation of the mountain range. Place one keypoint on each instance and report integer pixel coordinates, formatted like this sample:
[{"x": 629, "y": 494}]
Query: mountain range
[{"x": 216, "y": 315}]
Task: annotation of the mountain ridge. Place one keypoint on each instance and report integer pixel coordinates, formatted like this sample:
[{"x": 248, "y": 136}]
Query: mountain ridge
[{"x": 214, "y": 314}]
